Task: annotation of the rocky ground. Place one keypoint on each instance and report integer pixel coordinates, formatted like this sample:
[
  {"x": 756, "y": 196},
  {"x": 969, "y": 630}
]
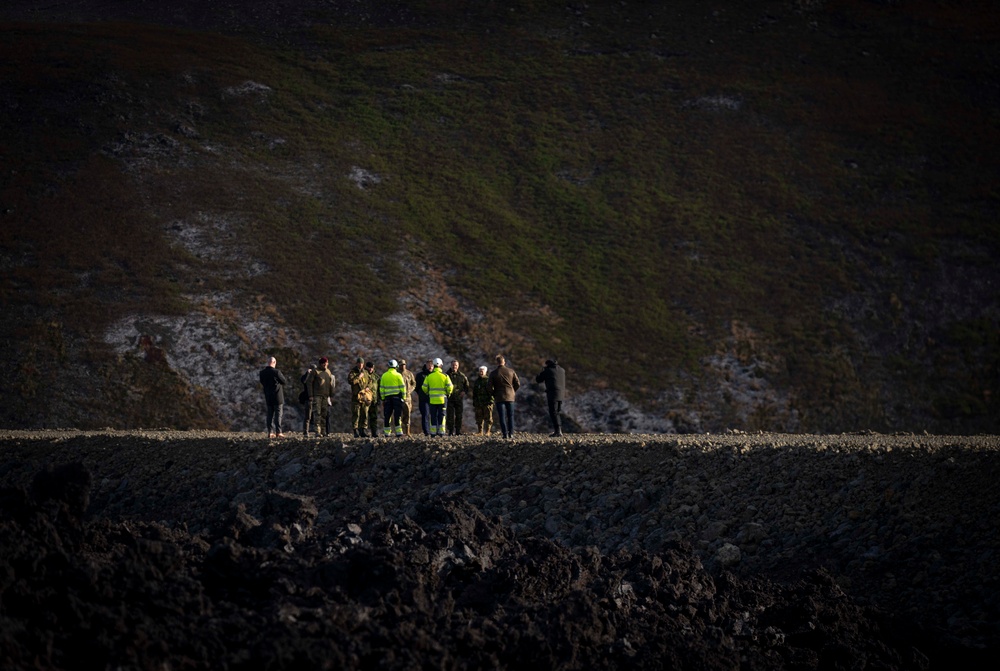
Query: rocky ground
[{"x": 225, "y": 550}]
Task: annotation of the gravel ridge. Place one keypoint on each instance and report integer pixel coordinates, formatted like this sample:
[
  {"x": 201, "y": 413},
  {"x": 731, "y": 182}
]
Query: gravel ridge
[{"x": 905, "y": 522}]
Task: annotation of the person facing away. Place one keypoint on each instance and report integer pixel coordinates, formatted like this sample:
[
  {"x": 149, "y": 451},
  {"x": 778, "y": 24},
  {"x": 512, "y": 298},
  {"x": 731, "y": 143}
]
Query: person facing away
[
  {"x": 553, "y": 376},
  {"x": 438, "y": 387},
  {"x": 456, "y": 401},
  {"x": 391, "y": 388},
  {"x": 274, "y": 396},
  {"x": 423, "y": 400},
  {"x": 358, "y": 379},
  {"x": 504, "y": 383},
  {"x": 321, "y": 384},
  {"x": 411, "y": 384},
  {"x": 482, "y": 403},
  {"x": 373, "y": 378},
  {"x": 306, "y": 401}
]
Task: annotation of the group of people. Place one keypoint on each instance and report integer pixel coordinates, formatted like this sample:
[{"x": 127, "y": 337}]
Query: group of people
[{"x": 440, "y": 396}]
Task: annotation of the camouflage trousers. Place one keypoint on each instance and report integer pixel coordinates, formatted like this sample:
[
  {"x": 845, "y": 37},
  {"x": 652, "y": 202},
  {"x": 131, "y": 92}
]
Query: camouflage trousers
[
  {"x": 359, "y": 415},
  {"x": 320, "y": 413},
  {"x": 404, "y": 417},
  {"x": 484, "y": 418}
]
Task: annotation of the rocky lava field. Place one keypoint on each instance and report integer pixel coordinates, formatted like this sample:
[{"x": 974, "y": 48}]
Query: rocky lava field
[{"x": 200, "y": 550}]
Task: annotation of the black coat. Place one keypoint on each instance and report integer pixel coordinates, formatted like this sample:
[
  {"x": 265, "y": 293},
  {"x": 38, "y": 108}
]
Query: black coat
[
  {"x": 422, "y": 396},
  {"x": 274, "y": 383},
  {"x": 554, "y": 377}
]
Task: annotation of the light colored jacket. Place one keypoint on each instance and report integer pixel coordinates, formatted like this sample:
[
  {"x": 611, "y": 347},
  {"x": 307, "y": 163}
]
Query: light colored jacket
[
  {"x": 438, "y": 386},
  {"x": 391, "y": 384}
]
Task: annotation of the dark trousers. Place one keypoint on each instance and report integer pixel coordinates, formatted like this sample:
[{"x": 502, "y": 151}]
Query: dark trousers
[
  {"x": 274, "y": 414},
  {"x": 373, "y": 419},
  {"x": 453, "y": 419},
  {"x": 425, "y": 416},
  {"x": 505, "y": 412},
  {"x": 321, "y": 414},
  {"x": 392, "y": 411},
  {"x": 437, "y": 418},
  {"x": 555, "y": 409}
]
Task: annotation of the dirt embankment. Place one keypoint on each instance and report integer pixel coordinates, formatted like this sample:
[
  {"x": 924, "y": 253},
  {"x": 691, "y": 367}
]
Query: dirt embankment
[{"x": 217, "y": 550}]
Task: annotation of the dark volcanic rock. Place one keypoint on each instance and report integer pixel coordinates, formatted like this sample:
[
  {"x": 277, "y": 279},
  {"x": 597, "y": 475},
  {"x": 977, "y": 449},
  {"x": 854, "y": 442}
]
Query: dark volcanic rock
[{"x": 443, "y": 587}]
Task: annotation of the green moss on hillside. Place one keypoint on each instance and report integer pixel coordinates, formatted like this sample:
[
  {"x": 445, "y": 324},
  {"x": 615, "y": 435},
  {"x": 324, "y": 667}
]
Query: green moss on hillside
[{"x": 648, "y": 187}]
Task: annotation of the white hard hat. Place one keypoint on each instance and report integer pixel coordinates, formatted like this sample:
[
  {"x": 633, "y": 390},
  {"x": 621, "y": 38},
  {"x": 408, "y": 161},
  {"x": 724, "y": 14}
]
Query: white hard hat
[
  {"x": 392, "y": 363},
  {"x": 438, "y": 362}
]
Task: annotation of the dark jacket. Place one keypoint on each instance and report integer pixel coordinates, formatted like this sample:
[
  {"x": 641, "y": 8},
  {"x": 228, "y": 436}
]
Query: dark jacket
[
  {"x": 422, "y": 396},
  {"x": 554, "y": 377},
  {"x": 320, "y": 383},
  {"x": 460, "y": 383},
  {"x": 503, "y": 384},
  {"x": 273, "y": 382},
  {"x": 482, "y": 397}
]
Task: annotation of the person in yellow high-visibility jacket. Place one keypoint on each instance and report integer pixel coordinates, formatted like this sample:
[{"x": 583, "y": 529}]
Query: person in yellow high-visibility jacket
[
  {"x": 438, "y": 387},
  {"x": 391, "y": 387}
]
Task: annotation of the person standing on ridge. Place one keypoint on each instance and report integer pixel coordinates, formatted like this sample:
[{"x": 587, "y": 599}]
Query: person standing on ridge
[
  {"x": 373, "y": 378},
  {"x": 274, "y": 396},
  {"x": 504, "y": 383},
  {"x": 553, "y": 376},
  {"x": 438, "y": 388},
  {"x": 320, "y": 382},
  {"x": 411, "y": 384},
  {"x": 360, "y": 397},
  {"x": 482, "y": 403},
  {"x": 456, "y": 400},
  {"x": 391, "y": 388},
  {"x": 423, "y": 399},
  {"x": 306, "y": 402}
]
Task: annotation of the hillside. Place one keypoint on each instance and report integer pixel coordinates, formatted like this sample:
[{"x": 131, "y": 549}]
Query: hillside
[{"x": 758, "y": 215}]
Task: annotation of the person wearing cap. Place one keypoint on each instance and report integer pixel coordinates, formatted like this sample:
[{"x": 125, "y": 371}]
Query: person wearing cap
[
  {"x": 274, "y": 396},
  {"x": 456, "y": 400},
  {"x": 482, "y": 403},
  {"x": 320, "y": 382},
  {"x": 360, "y": 397},
  {"x": 504, "y": 383},
  {"x": 411, "y": 384},
  {"x": 391, "y": 388},
  {"x": 373, "y": 406},
  {"x": 423, "y": 399},
  {"x": 553, "y": 376},
  {"x": 438, "y": 388}
]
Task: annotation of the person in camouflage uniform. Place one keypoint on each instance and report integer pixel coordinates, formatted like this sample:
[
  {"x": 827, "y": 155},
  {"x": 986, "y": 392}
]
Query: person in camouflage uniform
[
  {"x": 320, "y": 383},
  {"x": 373, "y": 379},
  {"x": 456, "y": 401},
  {"x": 358, "y": 380},
  {"x": 482, "y": 403},
  {"x": 411, "y": 383}
]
